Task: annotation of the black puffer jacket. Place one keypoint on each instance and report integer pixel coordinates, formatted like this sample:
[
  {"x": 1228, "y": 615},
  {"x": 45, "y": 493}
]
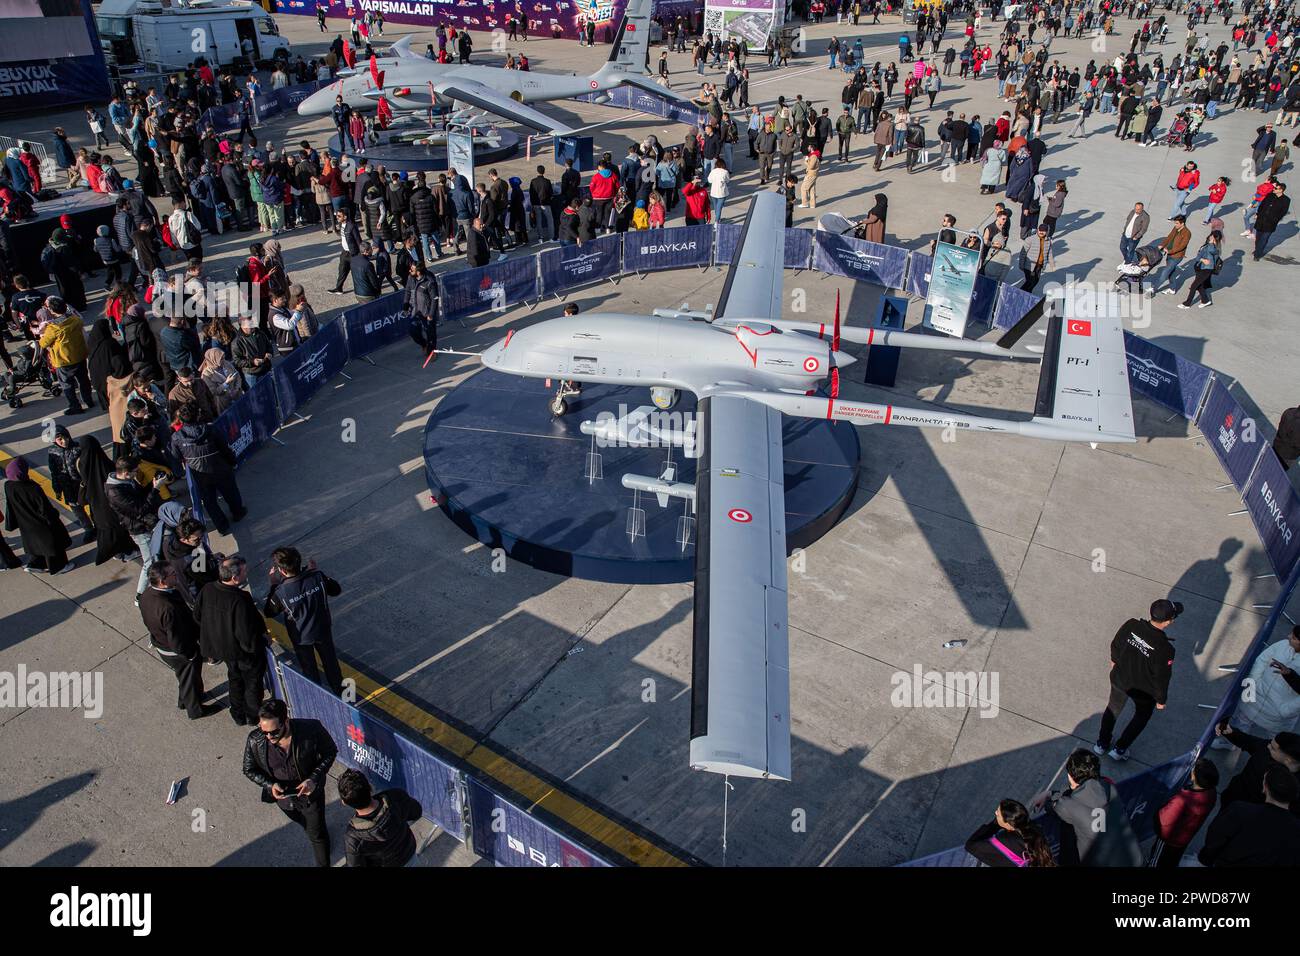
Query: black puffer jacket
[
  {"x": 203, "y": 450},
  {"x": 376, "y": 212},
  {"x": 383, "y": 838},
  {"x": 423, "y": 211},
  {"x": 135, "y": 506},
  {"x": 421, "y": 297}
]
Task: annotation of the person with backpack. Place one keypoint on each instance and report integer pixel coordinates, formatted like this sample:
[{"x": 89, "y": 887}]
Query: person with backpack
[
  {"x": 186, "y": 233},
  {"x": 1208, "y": 264},
  {"x": 211, "y": 463}
]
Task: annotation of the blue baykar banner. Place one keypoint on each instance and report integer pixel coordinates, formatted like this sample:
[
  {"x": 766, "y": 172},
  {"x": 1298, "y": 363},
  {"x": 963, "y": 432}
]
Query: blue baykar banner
[
  {"x": 1274, "y": 508},
  {"x": 650, "y": 250},
  {"x": 918, "y": 275},
  {"x": 798, "y": 245},
  {"x": 1231, "y": 433},
  {"x": 252, "y": 419},
  {"x": 387, "y": 758},
  {"x": 491, "y": 287},
  {"x": 1165, "y": 378},
  {"x": 856, "y": 259},
  {"x": 373, "y": 325},
  {"x": 508, "y": 836},
  {"x": 305, "y": 370},
  {"x": 1013, "y": 305},
  {"x": 570, "y": 266}
]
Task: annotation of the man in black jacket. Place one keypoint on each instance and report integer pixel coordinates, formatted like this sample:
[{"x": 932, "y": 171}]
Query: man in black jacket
[
  {"x": 290, "y": 760},
  {"x": 1287, "y": 443},
  {"x": 1257, "y": 834},
  {"x": 250, "y": 352},
  {"x": 477, "y": 252},
  {"x": 365, "y": 281},
  {"x": 1265, "y": 755},
  {"x": 137, "y": 508},
  {"x": 1272, "y": 210},
  {"x": 175, "y": 636},
  {"x": 379, "y": 834},
  {"x": 540, "y": 193},
  {"x": 349, "y": 246},
  {"x": 1141, "y": 663},
  {"x": 570, "y": 183},
  {"x": 231, "y": 631},
  {"x": 302, "y": 595},
  {"x": 200, "y": 447}
]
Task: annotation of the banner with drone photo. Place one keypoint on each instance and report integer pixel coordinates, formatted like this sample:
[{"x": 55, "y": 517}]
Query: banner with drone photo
[{"x": 749, "y": 21}]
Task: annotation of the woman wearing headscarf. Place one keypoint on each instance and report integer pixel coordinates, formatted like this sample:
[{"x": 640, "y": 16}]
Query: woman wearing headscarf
[
  {"x": 147, "y": 176},
  {"x": 872, "y": 227},
  {"x": 518, "y": 215},
  {"x": 995, "y": 157},
  {"x": 111, "y": 539},
  {"x": 105, "y": 359},
  {"x": 170, "y": 514},
  {"x": 60, "y": 260},
  {"x": 22, "y": 183},
  {"x": 1020, "y": 178},
  {"x": 223, "y": 379},
  {"x": 273, "y": 270},
  {"x": 30, "y": 513}
]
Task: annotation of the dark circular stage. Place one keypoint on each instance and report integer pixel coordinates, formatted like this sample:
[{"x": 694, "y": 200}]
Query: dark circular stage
[
  {"x": 395, "y": 152},
  {"x": 514, "y": 477}
]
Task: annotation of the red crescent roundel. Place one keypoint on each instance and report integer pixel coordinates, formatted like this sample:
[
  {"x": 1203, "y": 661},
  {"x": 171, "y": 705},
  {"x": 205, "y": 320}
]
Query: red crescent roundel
[
  {"x": 810, "y": 364},
  {"x": 740, "y": 515}
]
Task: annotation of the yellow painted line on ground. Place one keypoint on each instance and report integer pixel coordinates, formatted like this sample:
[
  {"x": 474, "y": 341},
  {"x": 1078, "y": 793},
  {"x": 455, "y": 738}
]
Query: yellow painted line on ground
[
  {"x": 584, "y": 819},
  {"x": 40, "y": 479}
]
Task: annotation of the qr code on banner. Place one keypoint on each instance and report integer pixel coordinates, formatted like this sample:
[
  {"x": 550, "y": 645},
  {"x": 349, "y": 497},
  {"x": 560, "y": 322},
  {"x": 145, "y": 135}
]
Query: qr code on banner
[{"x": 713, "y": 21}]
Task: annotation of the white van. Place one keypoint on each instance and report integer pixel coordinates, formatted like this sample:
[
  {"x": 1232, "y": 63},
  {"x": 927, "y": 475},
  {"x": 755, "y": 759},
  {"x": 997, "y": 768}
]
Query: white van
[{"x": 167, "y": 35}]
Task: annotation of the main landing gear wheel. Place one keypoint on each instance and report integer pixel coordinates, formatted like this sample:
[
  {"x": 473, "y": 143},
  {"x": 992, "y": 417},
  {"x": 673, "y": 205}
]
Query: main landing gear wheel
[{"x": 559, "y": 405}]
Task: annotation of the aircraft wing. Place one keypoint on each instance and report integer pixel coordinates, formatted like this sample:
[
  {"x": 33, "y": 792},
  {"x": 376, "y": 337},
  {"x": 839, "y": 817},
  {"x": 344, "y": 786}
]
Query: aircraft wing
[
  {"x": 753, "y": 286},
  {"x": 740, "y": 684},
  {"x": 485, "y": 97}
]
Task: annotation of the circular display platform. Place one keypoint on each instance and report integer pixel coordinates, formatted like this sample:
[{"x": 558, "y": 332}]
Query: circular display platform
[
  {"x": 514, "y": 477},
  {"x": 395, "y": 153}
]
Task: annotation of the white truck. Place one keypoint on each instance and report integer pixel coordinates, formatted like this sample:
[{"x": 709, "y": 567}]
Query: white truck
[{"x": 168, "y": 35}]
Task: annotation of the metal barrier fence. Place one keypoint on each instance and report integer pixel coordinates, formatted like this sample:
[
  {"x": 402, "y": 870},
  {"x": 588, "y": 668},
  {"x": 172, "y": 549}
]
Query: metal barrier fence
[{"x": 1185, "y": 387}]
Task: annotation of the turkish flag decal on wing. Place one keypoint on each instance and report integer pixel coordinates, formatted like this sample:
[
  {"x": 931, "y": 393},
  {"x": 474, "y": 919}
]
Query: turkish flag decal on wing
[{"x": 1078, "y": 327}]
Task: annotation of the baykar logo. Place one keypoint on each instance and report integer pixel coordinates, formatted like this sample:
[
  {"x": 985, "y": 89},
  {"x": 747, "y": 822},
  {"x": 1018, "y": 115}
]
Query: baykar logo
[{"x": 76, "y": 909}]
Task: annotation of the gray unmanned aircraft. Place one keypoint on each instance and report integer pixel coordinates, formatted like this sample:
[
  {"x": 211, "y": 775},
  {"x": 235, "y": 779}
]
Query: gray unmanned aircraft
[
  {"x": 411, "y": 81},
  {"x": 748, "y": 366}
]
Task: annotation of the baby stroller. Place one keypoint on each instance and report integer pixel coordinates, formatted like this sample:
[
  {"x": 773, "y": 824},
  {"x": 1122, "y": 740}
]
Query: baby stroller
[
  {"x": 1176, "y": 132},
  {"x": 1148, "y": 257},
  {"x": 30, "y": 368}
]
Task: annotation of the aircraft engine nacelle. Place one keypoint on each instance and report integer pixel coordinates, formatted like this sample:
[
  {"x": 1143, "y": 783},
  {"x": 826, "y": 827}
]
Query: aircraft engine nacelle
[
  {"x": 664, "y": 398},
  {"x": 604, "y": 97}
]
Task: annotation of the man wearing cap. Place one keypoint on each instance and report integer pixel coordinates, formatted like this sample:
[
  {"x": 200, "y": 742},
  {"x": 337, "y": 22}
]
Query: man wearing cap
[{"x": 1141, "y": 663}]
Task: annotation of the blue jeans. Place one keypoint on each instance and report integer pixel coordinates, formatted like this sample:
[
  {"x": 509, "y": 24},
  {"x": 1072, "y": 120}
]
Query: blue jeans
[
  {"x": 1128, "y": 248},
  {"x": 716, "y": 202},
  {"x": 728, "y": 149},
  {"x": 832, "y": 65},
  {"x": 1168, "y": 273},
  {"x": 1211, "y": 213},
  {"x": 250, "y": 379},
  {"x": 864, "y": 119},
  {"x": 1180, "y": 202}
]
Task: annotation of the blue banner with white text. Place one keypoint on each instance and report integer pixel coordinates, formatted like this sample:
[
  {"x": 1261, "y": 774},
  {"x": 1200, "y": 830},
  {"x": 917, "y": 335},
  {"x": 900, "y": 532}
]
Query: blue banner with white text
[
  {"x": 798, "y": 245},
  {"x": 1164, "y": 377},
  {"x": 1274, "y": 509},
  {"x": 508, "y": 836},
  {"x": 375, "y": 324},
  {"x": 1232, "y": 434},
  {"x": 649, "y": 250},
  {"x": 251, "y": 419},
  {"x": 385, "y": 756},
  {"x": 856, "y": 259},
  {"x": 305, "y": 370},
  {"x": 491, "y": 287},
  {"x": 573, "y": 265}
]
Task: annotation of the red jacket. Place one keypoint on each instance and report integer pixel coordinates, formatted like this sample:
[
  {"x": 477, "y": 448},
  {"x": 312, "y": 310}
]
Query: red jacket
[
  {"x": 1180, "y": 818},
  {"x": 697, "y": 201},
  {"x": 1189, "y": 180},
  {"x": 604, "y": 187},
  {"x": 1217, "y": 192}
]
